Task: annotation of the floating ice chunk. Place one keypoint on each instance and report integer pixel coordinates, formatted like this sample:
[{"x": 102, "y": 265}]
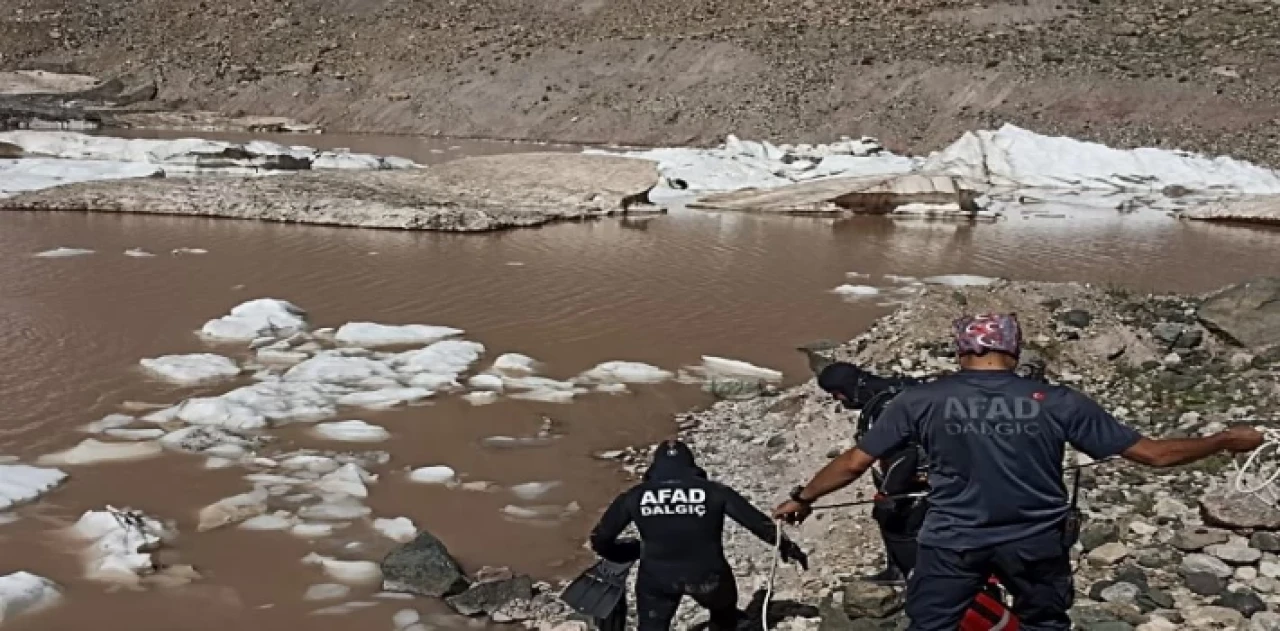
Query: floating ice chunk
[
  {"x": 515, "y": 363},
  {"x": 346, "y": 608},
  {"x": 138, "y": 253},
  {"x": 135, "y": 434},
  {"x": 438, "y": 474},
  {"x": 541, "y": 512},
  {"x": 481, "y": 398},
  {"x": 336, "y": 369},
  {"x": 903, "y": 280},
  {"x": 191, "y": 369},
  {"x": 280, "y": 357},
  {"x": 369, "y": 334},
  {"x": 234, "y": 509},
  {"x": 218, "y": 463},
  {"x": 492, "y": 383},
  {"x": 856, "y": 290},
  {"x": 311, "y": 531},
  {"x": 435, "y": 383},
  {"x": 447, "y": 357},
  {"x": 405, "y": 618},
  {"x": 352, "y": 431},
  {"x": 201, "y": 439},
  {"x": 344, "y": 509},
  {"x": 735, "y": 368},
  {"x": 612, "y": 388},
  {"x": 326, "y": 591},
  {"x": 59, "y": 253},
  {"x": 399, "y": 529},
  {"x": 121, "y": 543},
  {"x": 264, "y": 317},
  {"x": 533, "y": 490},
  {"x": 384, "y": 398},
  {"x": 275, "y": 521},
  {"x": 179, "y": 251},
  {"x": 347, "y": 480},
  {"x": 349, "y": 572},
  {"x": 546, "y": 396},
  {"x": 626, "y": 372},
  {"x": 22, "y": 483},
  {"x": 92, "y": 451},
  {"x": 960, "y": 280},
  {"x": 110, "y": 421},
  {"x": 314, "y": 464},
  {"x": 24, "y": 593},
  {"x": 256, "y": 406},
  {"x": 541, "y": 389},
  {"x": 857, "y": 275}
]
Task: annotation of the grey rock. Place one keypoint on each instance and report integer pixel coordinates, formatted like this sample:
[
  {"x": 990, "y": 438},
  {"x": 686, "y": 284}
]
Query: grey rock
[
  {"x": 1239, "y": 511},
  {"x": 1265, "y": 541},
  {"x": 1095, "y": 590},
  {"x": 1157, "y": 558},
  {"x": 734, "y": 389},
  {"x": 424, "y": 567},
  {"x": 1205, "y": 583},
  {"x": 1264, "y": 621},
  {"x": 490, "y": 596},
  {"x": 1094, "y": 535},
  {"x": 1121, "y": 593},
  {"x": 1133, "y": 574},
  {"x": 864, "y": 600},
  {"x": 1193, "y": 563},
  {"x": 1154, "y": 599},
  {"x": 1213, "y": 617},
  {"x": 1078, "y": 318},
  {"x": 1244, "y": 601},
  {"x": 1247, "y": 314},
  {"x": 1197, "y": 539},
  {"x": 1177, "y": 335},
  {"x": 1109, "y": 554},
  {"x": 1235, "y": 555}
]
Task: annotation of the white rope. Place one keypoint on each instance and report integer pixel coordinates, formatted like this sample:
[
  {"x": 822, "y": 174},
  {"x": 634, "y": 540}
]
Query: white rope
[
  {"x": 773, "y": 574},
  {"x": 1270, "y": 440}
]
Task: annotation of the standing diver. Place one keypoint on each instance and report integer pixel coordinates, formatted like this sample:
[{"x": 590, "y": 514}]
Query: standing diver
[{"x": 680, "y": 515}]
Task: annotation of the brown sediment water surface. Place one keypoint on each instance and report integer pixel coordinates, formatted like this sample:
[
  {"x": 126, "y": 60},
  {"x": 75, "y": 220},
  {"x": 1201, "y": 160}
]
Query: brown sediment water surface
[{"x": 663, "y": 290}]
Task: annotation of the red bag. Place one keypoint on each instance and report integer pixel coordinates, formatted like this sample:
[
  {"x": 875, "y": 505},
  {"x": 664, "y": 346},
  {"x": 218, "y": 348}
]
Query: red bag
[{"x": 988, "y": 613}]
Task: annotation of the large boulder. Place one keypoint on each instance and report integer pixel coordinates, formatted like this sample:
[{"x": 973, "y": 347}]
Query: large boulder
[
  {"x": 424, "y": 567},
  {"x": 1239, "y": 511},
  {"x": 1247, "y": 314}
]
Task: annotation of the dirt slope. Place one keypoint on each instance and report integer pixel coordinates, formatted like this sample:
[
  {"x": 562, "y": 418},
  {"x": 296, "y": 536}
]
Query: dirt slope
[{"x": 1200, "y": 74}]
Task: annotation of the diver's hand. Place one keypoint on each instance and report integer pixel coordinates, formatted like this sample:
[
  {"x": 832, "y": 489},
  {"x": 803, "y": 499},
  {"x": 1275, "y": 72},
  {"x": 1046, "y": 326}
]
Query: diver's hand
[
  {"x": 791, "y": 553},
  {"x": 792, "y": 512}
]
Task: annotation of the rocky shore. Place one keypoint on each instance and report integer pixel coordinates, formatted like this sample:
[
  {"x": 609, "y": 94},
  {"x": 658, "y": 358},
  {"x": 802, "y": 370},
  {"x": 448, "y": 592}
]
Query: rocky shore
[{"x": 1162, "y": 549}]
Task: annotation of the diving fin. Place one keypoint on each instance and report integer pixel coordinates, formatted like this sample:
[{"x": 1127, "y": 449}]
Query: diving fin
[{"x": 598, "y": 591}]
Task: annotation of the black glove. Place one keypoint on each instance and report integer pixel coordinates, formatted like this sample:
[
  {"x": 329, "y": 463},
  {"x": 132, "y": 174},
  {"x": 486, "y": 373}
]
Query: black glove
[
  {"x": 791, "y": 552},
  {"x": 625, "y": 550}
]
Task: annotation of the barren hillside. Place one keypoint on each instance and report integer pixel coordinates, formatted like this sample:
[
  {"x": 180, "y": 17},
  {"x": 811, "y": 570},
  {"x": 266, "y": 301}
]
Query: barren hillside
[{"x": 1199, "y": 74}]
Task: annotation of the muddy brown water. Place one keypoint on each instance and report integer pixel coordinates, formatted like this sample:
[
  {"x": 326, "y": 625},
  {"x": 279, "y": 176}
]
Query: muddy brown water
[{"x": 664, "y": 290}]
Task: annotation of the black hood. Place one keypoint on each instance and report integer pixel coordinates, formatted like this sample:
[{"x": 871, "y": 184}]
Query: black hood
[
  {"x": 857, "y": 385},
  {"x": 673, "y": 460}
]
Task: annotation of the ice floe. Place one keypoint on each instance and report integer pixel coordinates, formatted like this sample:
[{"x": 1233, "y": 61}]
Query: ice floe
[
  {"x": 110, "y": 421},
  {"x": 515, "y": 363},
  {"x": 20, "y": 483},
  {"x": 436, "y": 474},
  {"x": 233, "y": 510},
  {"x": 856, "y": 290},
  {"x": 447, "y": 358},
  {"x": 723, "y": 367},
  {"x": 279, "y": 520},
  {"x": 481, "y": 398},
  {"x": 60, "y": 253},
  {"x": 399, "y": 529},
  {"x": 192, "y": 369},
  {"x": 533, "y": 490},
  {"x": 960, "y": 280},
  {"x": 135, "y": 434},
  {"x": 369, "y": 334},
  {"x": 326, "y": 591},
  {"x": 347, "y": 572},
  {"x": 33, "y": 174},
  {"x": 626, "y": 372},
  {"x": 93, "y": 451},
  {"x": 384, "y": 398},
  {"x": 263, "y": 317},
  {"x": 121, "y": 544},
  {"x": 347, "y": 480},
  {"x": 138, "y": 253},
  {"x": 25, "y": 593},
  {"x": 491, "y": 383},
  {"x": 352, "y": 431},
  {"x": 194, "y": 155}
]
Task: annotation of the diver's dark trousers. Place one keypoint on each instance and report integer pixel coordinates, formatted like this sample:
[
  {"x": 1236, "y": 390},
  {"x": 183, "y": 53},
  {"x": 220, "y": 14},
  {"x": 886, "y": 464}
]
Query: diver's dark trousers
[
  {"x": 1036, "y": 571},
  {"x": 657, "y": 600}
]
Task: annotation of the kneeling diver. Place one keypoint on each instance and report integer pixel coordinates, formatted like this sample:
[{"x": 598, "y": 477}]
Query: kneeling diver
[{"x": 680, "y": 515}]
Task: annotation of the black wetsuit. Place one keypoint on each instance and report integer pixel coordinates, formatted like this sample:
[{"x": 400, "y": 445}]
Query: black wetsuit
[{"x": 680, "y": 515}]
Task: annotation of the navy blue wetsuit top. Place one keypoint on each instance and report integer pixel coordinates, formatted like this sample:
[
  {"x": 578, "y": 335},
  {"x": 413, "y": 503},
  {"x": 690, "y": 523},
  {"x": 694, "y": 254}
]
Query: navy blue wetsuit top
[{"x": 995, "y": 443}]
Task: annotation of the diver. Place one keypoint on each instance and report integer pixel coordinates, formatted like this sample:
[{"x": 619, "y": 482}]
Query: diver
[
  {"x": 680, "y": 516},
  {"x": 901, "y": 481}
]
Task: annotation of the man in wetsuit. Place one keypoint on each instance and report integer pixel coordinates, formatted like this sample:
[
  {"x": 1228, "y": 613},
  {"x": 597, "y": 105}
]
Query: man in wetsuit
[
  {"x": 899, "y": 509},
  {"x": 997, "y": 504},
  {"x": 680, "y": 515}
]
